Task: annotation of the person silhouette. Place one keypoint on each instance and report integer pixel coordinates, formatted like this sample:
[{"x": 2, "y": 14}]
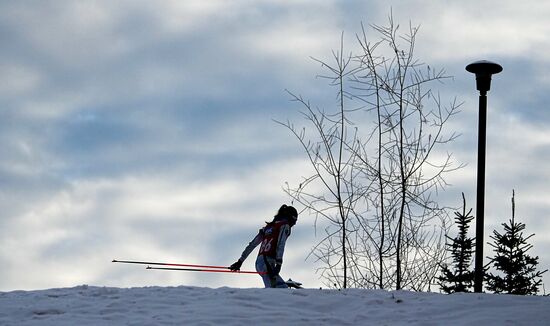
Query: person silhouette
[{"x": 272, "y": 240}]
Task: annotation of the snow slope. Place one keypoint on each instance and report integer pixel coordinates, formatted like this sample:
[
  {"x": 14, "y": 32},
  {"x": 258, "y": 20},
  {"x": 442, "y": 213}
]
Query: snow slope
[{"x": 90, "y": 305}]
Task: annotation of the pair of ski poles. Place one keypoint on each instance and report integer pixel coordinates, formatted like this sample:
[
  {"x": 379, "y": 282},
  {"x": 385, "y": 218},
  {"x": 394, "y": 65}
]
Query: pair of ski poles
[{"x": 185, "y": 267}]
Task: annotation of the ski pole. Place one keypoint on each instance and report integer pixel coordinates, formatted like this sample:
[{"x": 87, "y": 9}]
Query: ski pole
[
  {"x": 203, "y": 270},
  {"x": 168, "y": 264},
  {"x": 196, "y": 268}
]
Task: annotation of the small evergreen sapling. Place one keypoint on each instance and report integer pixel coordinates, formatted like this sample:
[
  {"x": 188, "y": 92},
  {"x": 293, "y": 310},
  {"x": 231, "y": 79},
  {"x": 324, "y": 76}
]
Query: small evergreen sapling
[
  {"x": 460, "y": 278},
  {"x": 518, "y": 269}
]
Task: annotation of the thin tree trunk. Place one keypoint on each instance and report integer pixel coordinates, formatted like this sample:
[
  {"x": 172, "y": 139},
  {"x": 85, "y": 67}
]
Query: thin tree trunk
[{"x": 339, "y": 179}]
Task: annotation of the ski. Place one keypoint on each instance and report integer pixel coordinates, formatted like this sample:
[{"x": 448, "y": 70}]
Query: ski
[{"x": 198, "y": 268}]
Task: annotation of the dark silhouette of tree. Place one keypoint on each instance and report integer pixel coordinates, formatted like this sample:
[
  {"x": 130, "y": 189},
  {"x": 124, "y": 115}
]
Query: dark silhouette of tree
[
  {"x": 375, "y": 165},
  {"x": 459, "y": 278},
  {"x": 518, "y": 270},
  {"x": 335, "y": 168}
]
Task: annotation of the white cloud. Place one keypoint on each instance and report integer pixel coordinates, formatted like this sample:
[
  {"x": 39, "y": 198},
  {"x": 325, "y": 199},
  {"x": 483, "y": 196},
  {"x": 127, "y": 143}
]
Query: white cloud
[
  {"x": 128, "y": 126},
  {"x": 478, "y": 29},
  {"x": 142, "y": 217},
  {"x": 17, "y": 80}
]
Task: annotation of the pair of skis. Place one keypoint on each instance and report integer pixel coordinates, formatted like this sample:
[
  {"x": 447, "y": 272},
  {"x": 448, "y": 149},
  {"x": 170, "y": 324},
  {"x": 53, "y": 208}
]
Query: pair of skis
[{"x": 197, "y": 268}]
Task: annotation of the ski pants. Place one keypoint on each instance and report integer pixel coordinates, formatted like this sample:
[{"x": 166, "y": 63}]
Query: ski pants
[{"x": 265, "y": 264}]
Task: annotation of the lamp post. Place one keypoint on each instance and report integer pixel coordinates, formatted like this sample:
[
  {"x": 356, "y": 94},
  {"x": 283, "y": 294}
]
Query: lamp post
[{"x": 483, "y": 70}]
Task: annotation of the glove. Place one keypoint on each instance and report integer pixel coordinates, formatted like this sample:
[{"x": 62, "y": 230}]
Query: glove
[{"x": 236, "y": 266}]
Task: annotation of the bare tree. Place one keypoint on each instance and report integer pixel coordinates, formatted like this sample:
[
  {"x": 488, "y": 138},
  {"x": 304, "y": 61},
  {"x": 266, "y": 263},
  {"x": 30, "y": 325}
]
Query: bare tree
[
  {"x": 379, "y": 182},
  {"x": 409, "y": 131},
  {"x": 335, "y": 167}
]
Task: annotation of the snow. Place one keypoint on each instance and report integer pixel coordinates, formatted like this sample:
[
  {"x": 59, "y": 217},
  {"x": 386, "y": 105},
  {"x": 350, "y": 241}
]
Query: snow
[{"x": 91, "y": 305}]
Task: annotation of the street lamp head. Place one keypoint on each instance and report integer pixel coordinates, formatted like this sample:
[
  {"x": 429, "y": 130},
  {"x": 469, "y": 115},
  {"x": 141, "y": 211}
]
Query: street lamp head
[{"x": 483, "y": 70}]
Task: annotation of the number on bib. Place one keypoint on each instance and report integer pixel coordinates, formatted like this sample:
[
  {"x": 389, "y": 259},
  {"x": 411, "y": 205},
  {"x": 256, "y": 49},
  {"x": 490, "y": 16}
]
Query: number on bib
[{"x": 266, "y": 245}]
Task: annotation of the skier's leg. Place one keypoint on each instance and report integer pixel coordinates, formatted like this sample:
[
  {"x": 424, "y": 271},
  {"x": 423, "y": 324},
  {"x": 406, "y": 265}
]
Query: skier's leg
[
  {"x": 262, "y": 268},
  {"x": 275, "y": 281},
  {"x": 279, "y": 282}
]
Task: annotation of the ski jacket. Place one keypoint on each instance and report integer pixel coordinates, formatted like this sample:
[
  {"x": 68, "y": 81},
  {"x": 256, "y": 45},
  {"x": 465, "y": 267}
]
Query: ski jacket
[{"x": 272, "y": 238}]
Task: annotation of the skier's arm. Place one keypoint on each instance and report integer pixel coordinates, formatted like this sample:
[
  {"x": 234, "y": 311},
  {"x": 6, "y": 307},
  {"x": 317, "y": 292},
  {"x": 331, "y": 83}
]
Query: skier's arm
[
  {"x": 283, "y": 235},
  {"x": 253, "y": 244}
]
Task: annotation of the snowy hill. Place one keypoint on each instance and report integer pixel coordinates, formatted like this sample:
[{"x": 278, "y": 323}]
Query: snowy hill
[{"x": 89, "y": 305}]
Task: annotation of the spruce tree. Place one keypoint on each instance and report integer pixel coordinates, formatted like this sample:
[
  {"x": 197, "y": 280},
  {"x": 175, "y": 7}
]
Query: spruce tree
[
  {"x": 518, "y": 270},
  {"x": 460, "y": 278}
]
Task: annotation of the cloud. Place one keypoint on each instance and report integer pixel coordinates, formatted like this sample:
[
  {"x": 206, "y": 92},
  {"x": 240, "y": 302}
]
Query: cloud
[
  {"x": 168, "y": 216},
  {"x": 477, "y": 29},
  {"x": 148, "y": 128}
]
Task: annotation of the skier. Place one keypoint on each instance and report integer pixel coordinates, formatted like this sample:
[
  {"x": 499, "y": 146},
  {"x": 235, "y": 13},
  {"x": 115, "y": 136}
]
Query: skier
[{"x": 272, "y": 238}]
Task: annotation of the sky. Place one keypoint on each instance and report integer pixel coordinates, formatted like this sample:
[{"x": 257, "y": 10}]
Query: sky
[{"x": 145, "y": 130}]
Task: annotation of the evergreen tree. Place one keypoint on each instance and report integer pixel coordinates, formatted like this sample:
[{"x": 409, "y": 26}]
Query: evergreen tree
[
  {"x": 460, "y": 278},
  {"x": 518, "y": 269}
]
